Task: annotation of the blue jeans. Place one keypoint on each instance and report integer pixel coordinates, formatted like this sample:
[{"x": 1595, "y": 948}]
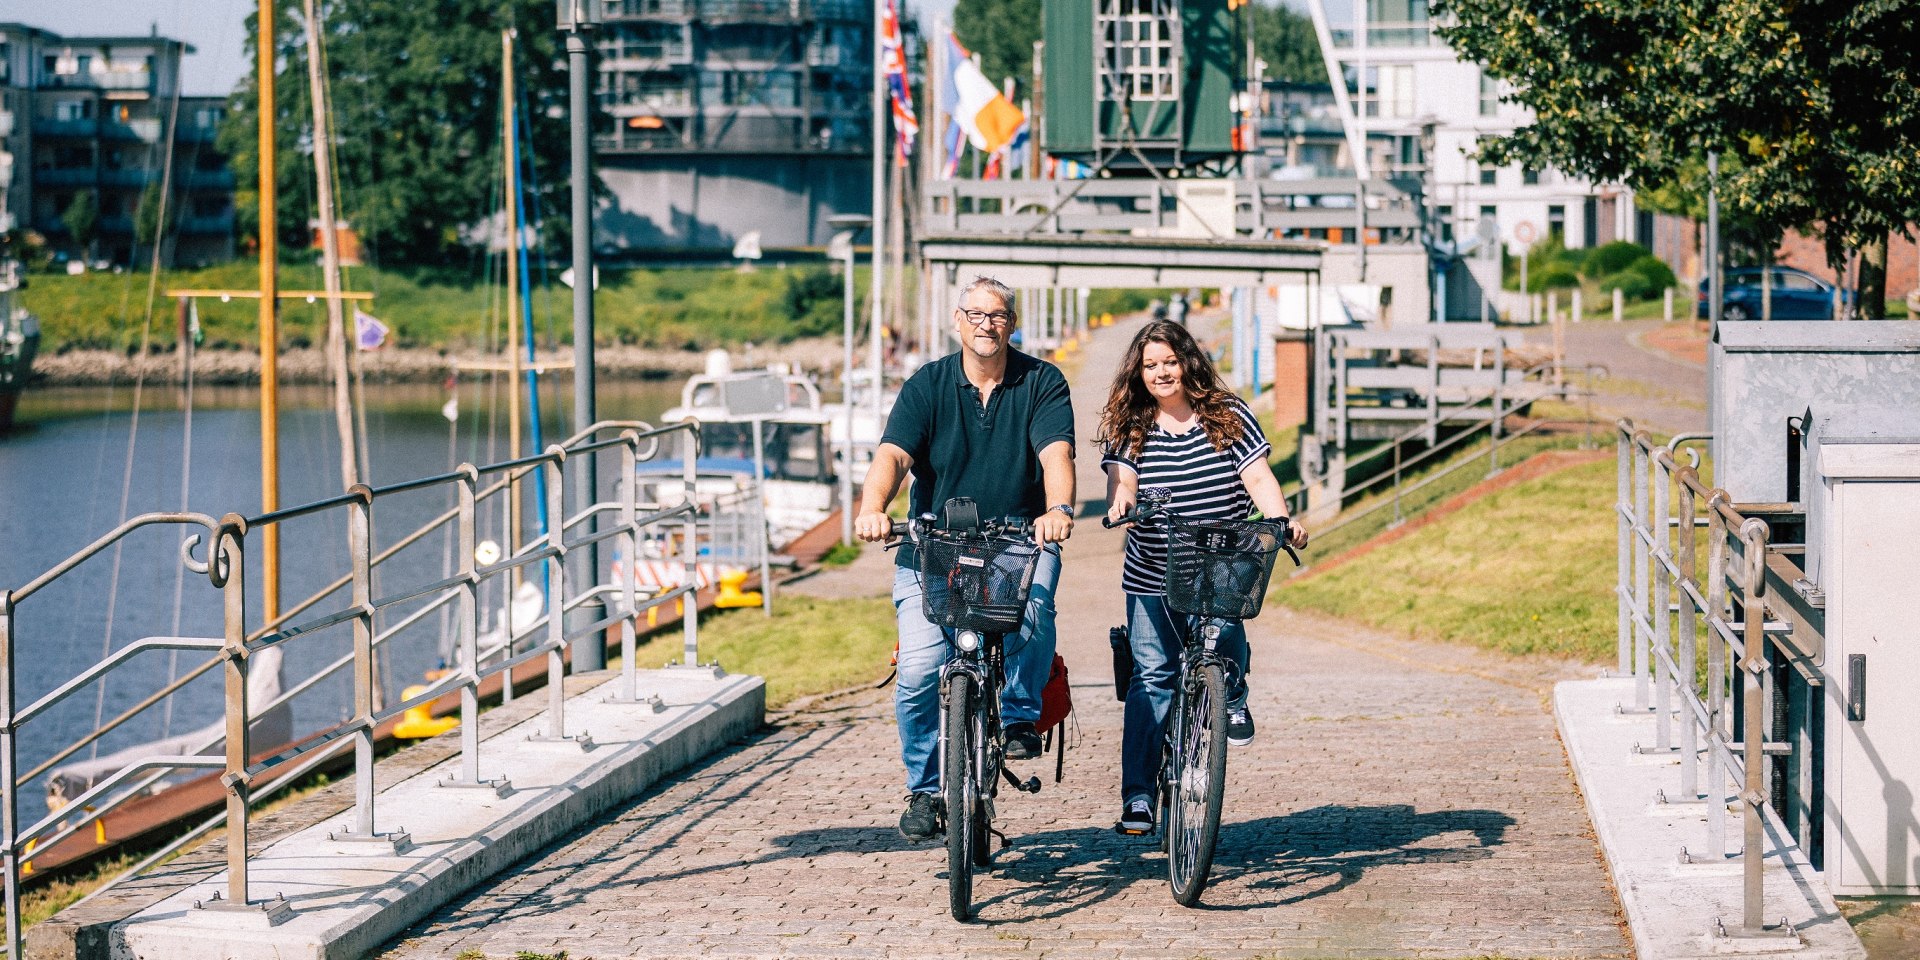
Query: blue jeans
[
  {"x": 1158, "y": 635},
  {"x": 925, "y": 648}
]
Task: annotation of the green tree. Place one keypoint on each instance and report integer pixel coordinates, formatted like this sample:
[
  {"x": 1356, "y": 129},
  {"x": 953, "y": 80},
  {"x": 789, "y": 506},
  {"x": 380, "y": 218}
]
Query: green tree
[
  {"x": 1813, "y": 105},
  {"x": 1285, "y": 40},
  {"x": 415, "y": 97},
  {"x": 1003, "y": 33},
  {"x": 146, "y": 217},
  {"x": 82, "y": 220}
]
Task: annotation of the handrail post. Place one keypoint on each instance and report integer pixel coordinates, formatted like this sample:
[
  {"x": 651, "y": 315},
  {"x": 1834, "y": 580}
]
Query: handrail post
[
  {"x": 466, "y": 540},
  {"x": 227, "y": 569},
  {"x": 1688, "y": 626},
  {"x": 9, "y": 761},
  {"x": 1659, "y": 489},
  {"x": 1499, "y": 412},
  {"x": 689, "y": 556},
  {"x": 1641, "y": 574},
  {"x": 556, "y": 593},
  {"x": 629, "y": 571},
  {"x": 1716, "y": 786},
  {"x": 359, "y": 548},
  {"x": 1623, "y": 460},
  {"x": 1753, "y": 536}
]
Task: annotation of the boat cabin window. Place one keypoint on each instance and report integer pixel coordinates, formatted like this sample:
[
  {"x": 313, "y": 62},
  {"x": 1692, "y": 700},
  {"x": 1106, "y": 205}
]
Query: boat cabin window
[{"x": 794, "y": 451}]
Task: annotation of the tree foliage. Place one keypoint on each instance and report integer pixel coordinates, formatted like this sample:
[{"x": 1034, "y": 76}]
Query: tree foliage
[
  {"x": 1811, "y": 103},
  {"x": 1285, "y": 40},
  {"x": 415, "y": 100},
  {"x": 82, "y": 220}
]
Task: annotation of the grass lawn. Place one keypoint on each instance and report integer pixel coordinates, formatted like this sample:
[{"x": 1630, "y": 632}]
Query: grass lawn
[
  {"x": 1526, "y": 570},
  {"x": 675, "y": 308},
  {"x": 808, "y": 646}
]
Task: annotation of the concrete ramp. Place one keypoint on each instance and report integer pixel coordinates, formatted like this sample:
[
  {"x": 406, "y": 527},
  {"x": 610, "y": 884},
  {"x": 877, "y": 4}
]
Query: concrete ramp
[{"x": 347, "y": 898}]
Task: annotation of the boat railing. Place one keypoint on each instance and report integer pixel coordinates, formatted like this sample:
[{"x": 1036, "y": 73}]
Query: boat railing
[{"x": 348, "y": 520}]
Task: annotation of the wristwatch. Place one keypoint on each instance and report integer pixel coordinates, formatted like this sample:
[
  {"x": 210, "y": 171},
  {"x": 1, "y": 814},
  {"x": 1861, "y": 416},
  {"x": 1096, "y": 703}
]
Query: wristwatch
[{"x": 1065, "y": 508}]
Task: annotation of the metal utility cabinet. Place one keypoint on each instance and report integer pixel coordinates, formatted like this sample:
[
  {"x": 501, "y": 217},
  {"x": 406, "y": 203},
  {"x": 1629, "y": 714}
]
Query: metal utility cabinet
[{"x": 1861, "y": 470}]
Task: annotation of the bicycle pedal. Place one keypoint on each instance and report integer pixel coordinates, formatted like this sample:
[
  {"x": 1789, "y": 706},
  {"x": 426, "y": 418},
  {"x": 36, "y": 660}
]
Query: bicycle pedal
[
  {"x": 1131, "y": 831},
  {"x": 1005, "y": 841}
]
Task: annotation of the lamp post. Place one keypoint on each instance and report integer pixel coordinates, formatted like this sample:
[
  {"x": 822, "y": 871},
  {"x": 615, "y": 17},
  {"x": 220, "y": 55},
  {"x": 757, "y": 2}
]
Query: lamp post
[
  {"x": 849, "y": 226},
  {"x": 576, "y": 18}
]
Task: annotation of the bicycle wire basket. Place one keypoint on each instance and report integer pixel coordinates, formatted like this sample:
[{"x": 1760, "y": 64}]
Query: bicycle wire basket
[
  {"x": 1219, "y": 568},
  {"x": 976, "y": 584}
]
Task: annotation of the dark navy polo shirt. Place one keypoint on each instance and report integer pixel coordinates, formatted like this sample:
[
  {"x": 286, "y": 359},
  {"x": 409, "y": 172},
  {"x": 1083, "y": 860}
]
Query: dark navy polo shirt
[{"x": 990, "y": 453}]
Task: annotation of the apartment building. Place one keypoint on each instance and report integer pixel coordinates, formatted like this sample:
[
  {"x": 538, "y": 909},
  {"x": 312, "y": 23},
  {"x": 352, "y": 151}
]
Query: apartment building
[
  {"x": 1406, "y": 83},
  {"x": 85, "y": 115},
  {"x": 726, "y": 117}
]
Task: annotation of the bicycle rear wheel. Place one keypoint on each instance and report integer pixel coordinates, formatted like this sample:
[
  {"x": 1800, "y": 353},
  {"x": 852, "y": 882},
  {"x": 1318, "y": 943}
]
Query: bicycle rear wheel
[
  {"x": 1196, "y": 782},
  {"x": 957, "y": 783}
]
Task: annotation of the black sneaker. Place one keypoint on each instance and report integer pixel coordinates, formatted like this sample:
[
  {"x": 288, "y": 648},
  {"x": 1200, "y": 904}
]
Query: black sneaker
[
  {"x": 921, "y": 821},
  {"x": 1136, "y": 820},
  {"x": 1023, "y": 741},
  {"x": 1239, "y": 725}
]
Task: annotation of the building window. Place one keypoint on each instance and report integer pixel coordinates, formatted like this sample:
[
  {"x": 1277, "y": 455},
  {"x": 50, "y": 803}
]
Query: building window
[
  {"x": 1444, "y": 224},
  {"x": 73, "y": 110},
  {"x": 1490, "y": 214},
  {"x": 1136, "y": 49},
  {"x": 1489, "y": 95},
  {"x": 1557, "y": 220},
  {"x": 1489, "y": 176},
  {"x": 1530, "y": 176}
]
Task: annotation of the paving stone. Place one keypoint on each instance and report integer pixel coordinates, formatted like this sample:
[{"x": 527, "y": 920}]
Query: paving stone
[{"x": 1403, "y": 800}]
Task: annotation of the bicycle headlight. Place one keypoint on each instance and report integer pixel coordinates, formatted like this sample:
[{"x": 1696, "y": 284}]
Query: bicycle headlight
[{"x": 967, "y": 640}]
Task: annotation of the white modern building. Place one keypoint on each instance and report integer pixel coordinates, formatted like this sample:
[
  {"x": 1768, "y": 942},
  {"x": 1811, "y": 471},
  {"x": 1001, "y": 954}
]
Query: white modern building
[{"x": 1402, "y": 80}]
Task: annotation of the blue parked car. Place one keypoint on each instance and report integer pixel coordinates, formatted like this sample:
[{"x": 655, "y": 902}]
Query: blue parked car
[{"x": 1797, "y": 295}]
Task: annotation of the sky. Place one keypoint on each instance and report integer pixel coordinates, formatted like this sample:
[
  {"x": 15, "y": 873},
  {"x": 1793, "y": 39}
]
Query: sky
[{"x": 217, "y": 28}]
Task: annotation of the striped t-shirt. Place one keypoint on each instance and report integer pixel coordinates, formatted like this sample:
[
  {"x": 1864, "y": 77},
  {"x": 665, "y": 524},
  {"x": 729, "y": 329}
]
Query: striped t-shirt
[{"x": 1204, "y": 483}]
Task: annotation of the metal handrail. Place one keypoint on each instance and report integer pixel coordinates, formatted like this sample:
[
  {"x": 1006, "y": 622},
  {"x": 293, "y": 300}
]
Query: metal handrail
[
  {"x": 1665, "y": 604},
  {"x": 619, "y": 519}
]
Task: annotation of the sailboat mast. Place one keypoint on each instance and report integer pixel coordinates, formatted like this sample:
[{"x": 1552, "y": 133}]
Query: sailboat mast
[
  {"x": 330, "y": 254},
  {"x": 269, "y": 329},
  {"x": 513, "y": 290}
]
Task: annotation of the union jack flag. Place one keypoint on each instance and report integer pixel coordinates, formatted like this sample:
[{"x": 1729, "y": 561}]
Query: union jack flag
[{"x": 894, "y": 61}]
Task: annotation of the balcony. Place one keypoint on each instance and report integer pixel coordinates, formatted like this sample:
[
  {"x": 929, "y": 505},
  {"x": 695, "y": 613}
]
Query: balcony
[
  {"x": 48, "y": 127},
  {"x": 219, "y": 223},
  {"x": 1389, "y": 34},
  {"x": 139, "y": 80},
  {"x": 66, "y": 177},
  {"x": 145, "y": 130},
  {"x": 221, "y": 179},
  {"x": 133, "y": 177}
]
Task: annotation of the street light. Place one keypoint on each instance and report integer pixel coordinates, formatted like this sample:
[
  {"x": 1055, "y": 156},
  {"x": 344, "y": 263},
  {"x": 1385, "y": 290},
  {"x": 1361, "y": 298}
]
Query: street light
[
  {"x": 841, "y": 248},
  {"x": 575, "y": 18}
]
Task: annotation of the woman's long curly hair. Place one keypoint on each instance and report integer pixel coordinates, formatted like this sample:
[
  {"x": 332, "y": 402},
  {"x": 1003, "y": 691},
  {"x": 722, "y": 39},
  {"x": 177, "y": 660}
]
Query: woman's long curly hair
[{"x": 1130, "y": 409}]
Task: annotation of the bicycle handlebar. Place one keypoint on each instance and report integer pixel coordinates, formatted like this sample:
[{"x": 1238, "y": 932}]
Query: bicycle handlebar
[{"x": 1143, "y": 511}]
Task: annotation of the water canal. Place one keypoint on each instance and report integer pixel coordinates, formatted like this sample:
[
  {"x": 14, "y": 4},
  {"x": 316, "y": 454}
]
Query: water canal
[{"x": 62, "y": 477}]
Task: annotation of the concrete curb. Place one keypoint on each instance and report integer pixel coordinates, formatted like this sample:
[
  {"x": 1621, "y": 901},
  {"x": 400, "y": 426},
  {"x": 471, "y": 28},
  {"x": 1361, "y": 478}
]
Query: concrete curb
[
  {"x": 1672, "y": 906},
  {"x": 349, "y": 899}
]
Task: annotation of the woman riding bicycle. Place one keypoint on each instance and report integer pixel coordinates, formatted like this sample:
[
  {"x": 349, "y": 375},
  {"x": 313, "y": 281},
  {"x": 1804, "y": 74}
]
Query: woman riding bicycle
[{"x": 1168, "y": 423}]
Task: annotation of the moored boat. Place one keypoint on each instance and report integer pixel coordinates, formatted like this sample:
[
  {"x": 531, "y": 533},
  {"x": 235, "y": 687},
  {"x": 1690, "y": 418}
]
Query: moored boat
[{"x": 19, "y": 342}]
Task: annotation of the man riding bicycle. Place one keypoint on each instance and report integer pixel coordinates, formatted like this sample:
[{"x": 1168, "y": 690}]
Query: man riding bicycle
[{"x": 995, "y": 425}]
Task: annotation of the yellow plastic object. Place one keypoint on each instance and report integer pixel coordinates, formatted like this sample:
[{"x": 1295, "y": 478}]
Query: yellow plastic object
[
  {"x": 419, "y": 723},
  {"x": 730, "y": 593}
]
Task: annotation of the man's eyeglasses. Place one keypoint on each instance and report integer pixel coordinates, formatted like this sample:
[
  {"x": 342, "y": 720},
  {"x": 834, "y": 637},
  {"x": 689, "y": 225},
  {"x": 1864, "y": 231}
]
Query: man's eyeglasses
[{"x": 998, "y": 318}]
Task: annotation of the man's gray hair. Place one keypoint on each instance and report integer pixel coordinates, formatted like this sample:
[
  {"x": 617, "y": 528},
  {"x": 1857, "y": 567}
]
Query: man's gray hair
[{"x": 998, "y": 289}]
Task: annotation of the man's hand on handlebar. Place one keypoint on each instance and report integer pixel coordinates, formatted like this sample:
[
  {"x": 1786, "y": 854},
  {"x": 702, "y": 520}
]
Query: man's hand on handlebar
[
  {"x": 1052, "y": 526},
  {"x": 873, "y": 527}
]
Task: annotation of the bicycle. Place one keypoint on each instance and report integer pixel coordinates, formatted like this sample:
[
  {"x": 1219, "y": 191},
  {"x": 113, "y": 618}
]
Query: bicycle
[
  {"x": 975, "y": 576},
  {"x": 1217, "y": 572}
]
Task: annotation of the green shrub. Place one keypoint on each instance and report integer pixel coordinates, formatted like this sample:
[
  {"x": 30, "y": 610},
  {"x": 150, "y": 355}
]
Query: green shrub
[
  {"x": 1656, "y": 271},
  {"x": 1632, "y": 284},
  {"x": 1603, "y": 261},
  {"x": 1553, "y": 276}
]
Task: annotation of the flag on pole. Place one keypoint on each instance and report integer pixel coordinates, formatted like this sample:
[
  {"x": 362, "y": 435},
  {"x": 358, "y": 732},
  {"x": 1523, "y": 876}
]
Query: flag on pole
[
  {"x": 987, "y": 117},
  {"x": 951, "y": 141},
  {"x": 368, "y": 332},
  {"x": 451, "y": 410},
  {"x": 893, "y": 55}
]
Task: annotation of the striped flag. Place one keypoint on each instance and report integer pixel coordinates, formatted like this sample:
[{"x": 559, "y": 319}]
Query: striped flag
[{"x": 894, "y": 61}]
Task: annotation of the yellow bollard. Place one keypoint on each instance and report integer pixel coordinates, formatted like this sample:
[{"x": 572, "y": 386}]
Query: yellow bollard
[
  {"x": 419, "y": 723},
  {"x": 730, "y": 593}
]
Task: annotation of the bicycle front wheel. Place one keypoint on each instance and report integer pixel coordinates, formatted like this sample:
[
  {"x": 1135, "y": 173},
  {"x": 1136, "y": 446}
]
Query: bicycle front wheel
[
  {"x": 1196, "y": 781},
  {"x": 962, "y": 793}
]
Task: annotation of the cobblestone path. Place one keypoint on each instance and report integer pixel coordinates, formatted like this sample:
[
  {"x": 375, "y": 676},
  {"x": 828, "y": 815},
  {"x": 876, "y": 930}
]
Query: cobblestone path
[{"x": 1402, "y": 800}]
